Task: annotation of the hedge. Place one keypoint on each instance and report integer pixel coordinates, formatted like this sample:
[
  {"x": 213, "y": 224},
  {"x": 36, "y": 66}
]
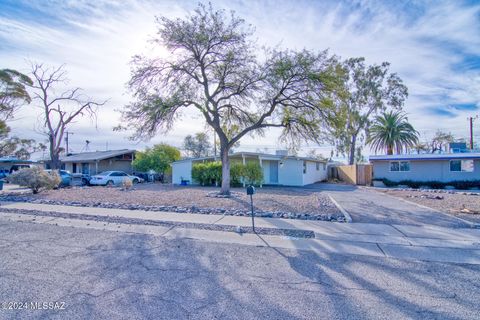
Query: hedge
[
  {"x": 458, "y": 184},
  {"x": 207, "y": 173},
  {"x": 210, "y": 173}
]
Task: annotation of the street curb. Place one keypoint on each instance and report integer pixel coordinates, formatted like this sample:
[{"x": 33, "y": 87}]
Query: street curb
[
  {"x": 472, "y": 225},
  {"x": 348, "y": 218}
]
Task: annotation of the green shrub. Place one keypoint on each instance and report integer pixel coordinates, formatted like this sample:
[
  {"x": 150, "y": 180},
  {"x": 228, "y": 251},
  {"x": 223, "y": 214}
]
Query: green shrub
[
  {"x": 236, "y": 173},
  {"x": 459, "y": 184},
  {"x": 35, "y": 179},
  {"x": 436, "y": 184},
  {"x": 412, "y": 184},
  {"x": 210, "y": 173},
  {"x": 253, "y": 173},
  {"x": 199, "y": 173},
  {"x": 389, "y": 183},
  {"x": 465, "y": 184},
  {"x": 214, "y": 172}
]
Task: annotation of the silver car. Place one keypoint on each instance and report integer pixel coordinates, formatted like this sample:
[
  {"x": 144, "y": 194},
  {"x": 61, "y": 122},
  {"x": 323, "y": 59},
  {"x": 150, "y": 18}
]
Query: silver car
[{"x": 111, "y": 178}]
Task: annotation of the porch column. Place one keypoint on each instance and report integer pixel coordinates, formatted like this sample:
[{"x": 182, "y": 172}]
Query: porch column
[
  {"x": 261, "y": 166},
  {"x": 96, "y": 166},
  {"x": 243, "y": 161}
]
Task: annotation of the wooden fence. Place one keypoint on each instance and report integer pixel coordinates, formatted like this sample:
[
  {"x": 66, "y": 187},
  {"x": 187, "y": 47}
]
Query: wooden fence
[{"x": 359, "y": 174}]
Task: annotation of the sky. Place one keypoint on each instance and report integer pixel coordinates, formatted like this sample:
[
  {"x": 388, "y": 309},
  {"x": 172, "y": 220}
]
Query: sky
[{"x": 434, "y": 46}]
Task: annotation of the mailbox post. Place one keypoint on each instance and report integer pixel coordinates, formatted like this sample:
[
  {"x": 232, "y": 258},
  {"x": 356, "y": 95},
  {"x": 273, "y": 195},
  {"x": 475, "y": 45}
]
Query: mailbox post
[{"x": 251, "y": 192}]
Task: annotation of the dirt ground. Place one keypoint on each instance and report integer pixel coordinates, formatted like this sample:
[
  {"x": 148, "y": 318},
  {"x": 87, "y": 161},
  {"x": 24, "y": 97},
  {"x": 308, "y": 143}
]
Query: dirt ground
[
  {"x": 461, "y": 205},
  {"x": 269, "y": 199}
]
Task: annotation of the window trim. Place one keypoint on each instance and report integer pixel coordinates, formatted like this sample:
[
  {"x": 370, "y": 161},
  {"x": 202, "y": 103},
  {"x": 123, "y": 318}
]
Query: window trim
[
  {"x": 450, "y": 165},
  {"x": 399, "y": 170}
]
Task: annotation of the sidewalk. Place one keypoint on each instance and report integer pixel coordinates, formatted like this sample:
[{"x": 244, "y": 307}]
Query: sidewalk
[{"x": 429, "y": 243}]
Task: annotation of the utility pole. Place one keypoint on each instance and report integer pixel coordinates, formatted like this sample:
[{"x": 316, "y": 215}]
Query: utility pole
[
  {"x": 471, "y": 130},
  {"x": 67, "y": 133}
]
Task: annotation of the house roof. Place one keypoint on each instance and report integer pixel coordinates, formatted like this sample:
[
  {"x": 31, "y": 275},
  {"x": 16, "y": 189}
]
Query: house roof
[
  {"x": 256, "y": 154},
  {"x": 426, "y": 156},
  {"x": 14, "y": 160},
  {"x": 94, "y": 156}
]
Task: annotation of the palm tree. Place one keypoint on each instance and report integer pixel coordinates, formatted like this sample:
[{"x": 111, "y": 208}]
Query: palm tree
[{"x": 391, "y": 131}]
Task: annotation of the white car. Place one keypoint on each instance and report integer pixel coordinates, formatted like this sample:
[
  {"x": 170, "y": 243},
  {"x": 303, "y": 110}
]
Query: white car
[{"x": 110, "y": 178}]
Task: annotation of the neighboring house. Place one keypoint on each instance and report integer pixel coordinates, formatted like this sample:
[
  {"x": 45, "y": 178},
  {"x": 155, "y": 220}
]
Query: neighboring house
[
  {"x": 278, "y": 169},
  {"x": 427, "y": 167},
  {"x": 92, "y": 163},
  {"x": 10, "y": 164}
]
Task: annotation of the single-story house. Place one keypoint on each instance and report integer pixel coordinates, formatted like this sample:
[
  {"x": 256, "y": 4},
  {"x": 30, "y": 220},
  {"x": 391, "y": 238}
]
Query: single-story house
[
  {"x": 427, "y": 167},
  {"x": 278, "y": 169},
  {"x": 10, "y": 164},
  {"x": 92, "y": 163}
]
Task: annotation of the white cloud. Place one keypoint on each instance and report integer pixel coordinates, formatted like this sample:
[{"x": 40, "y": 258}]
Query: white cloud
[{"x": 424, "y": 44}]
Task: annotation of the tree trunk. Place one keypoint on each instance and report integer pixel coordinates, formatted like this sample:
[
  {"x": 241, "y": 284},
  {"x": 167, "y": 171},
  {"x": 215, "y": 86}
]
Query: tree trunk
[
  {"x": 54, "y": 156},
  {"x": 225, "y": 190},
  {"x": 389, "y": 150},
  {"x": 351, "y": 157}
]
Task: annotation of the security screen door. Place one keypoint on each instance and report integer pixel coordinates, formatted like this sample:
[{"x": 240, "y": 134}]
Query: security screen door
[{"x": 273, "y": 171}]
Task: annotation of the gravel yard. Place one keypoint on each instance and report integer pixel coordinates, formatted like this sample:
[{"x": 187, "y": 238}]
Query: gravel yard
[
  {"x": 269, "y": 201},
  {"x": 464, "y": 205}
]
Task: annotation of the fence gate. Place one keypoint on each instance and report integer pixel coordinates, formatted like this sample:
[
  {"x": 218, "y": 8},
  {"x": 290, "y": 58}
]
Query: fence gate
[{"x": 360, "y": 174}]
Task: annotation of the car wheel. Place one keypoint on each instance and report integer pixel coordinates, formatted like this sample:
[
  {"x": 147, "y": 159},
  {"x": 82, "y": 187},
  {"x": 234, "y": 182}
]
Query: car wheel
[
  {"x": 135, "y": 181},
  {"x": 109, "y": 183},
  {"x": 84, "y": 182}
]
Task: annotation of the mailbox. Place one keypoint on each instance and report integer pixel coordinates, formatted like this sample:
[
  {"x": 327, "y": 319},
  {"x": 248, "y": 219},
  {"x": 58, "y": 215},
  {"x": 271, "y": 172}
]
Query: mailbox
[{"x": 251, "y": 192}]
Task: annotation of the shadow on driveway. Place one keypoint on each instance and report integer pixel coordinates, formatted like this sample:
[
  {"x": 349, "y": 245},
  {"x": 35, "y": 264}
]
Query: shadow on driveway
[{"x": 369, "y": 206}]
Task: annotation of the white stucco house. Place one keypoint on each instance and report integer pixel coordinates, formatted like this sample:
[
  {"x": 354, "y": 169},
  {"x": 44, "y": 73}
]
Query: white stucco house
[
  {"x": 278, "y": 169},
  {"x": 427, "y": 167}
]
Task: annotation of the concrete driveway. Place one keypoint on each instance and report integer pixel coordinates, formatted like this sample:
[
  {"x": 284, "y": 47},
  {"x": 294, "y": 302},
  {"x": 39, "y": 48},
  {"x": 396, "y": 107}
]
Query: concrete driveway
[
  {"x": 116, "y": 275},
  {"x": 369, "y": 206}
]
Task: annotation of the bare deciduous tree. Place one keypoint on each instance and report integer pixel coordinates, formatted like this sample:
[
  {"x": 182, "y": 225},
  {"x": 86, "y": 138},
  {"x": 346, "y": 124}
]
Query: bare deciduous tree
[{"x": 59, "y": 109}]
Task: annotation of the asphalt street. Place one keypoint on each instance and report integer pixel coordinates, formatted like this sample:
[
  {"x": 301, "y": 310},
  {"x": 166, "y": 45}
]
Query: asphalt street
[{"x": 114, "y": 275}]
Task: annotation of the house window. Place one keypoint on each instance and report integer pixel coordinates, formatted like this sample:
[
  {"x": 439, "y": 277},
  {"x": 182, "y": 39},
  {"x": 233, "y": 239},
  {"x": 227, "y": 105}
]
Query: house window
[
  {"x": 397, "y": 166},
  {"x": 461, "y": 165},
  {"x": 304, "y": 167},
  {"x": 317, "y": 166}
]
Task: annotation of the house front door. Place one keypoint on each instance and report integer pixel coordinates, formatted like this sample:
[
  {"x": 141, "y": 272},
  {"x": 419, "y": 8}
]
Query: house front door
[
  {"x": 85, "y": 168},
  {"x": 273, "y": 171}
]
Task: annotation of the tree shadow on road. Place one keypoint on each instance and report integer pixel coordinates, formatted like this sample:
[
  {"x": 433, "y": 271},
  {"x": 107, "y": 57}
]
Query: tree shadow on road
[
  {"x": 402, "y": 289},
  {"x": 146, "y": 277}
]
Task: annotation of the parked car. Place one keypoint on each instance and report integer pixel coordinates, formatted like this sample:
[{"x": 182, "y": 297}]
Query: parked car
[
  {"x": 81, "y": 179},
  {"x": 4, "y": 173},
  {"x": 17, "y": 167},
  {"x": 66, "y": 177},
  {"x": 110, "y": 178}
]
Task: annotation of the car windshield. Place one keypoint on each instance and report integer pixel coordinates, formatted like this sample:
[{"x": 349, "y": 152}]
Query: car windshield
[
  {"x": 105, "y": 173},
  {"x": 62, "y": 172}
]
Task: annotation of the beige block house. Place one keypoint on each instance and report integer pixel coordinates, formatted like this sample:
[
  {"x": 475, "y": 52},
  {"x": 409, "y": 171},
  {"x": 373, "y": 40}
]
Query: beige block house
[{"x": 95, "y": 162}]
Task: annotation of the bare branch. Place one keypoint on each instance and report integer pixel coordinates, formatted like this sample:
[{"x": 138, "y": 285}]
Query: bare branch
[{"x": 59, "y": 110}]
